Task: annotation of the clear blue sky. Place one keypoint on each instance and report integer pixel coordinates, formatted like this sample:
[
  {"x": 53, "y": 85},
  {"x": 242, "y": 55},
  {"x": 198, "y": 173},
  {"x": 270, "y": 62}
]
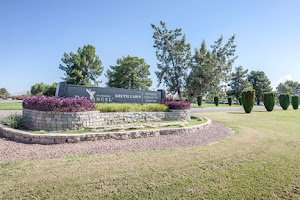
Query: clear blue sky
[{"x": 35, "y": 34}]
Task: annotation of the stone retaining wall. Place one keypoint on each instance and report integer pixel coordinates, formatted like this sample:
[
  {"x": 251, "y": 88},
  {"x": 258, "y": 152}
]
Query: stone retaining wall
[
  {"x": 56, "y": 138},
  {"x": 58, "y": 121}
]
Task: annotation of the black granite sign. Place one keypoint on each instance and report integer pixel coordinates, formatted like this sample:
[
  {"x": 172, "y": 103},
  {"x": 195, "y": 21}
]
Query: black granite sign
[{"x": 109, "y": 95}]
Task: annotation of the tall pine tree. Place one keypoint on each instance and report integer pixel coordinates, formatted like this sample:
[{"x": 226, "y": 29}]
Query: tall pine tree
[
  {"x": 173, "y": 54},
  {"x": 211, "y": 68},
  {"x": 260, "y": 83},
  {"x": 82, "y": 68},
  {"x": 238, "y": 82}
]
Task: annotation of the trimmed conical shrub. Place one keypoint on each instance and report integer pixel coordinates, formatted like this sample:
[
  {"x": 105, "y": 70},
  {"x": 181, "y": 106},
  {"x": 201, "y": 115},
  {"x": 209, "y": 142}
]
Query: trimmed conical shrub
[
  {"x": 269, "y": 100},
  {"x": 216, "y": 100},
  {"x": 295, "y": 102},
  {"x": 240, "y": 101},
  {"x": 229, "y": 101},
  {"x": 284, "y": 100},
  {"x": 248, "y": 99},
  {"x": 199, "y": 100}
]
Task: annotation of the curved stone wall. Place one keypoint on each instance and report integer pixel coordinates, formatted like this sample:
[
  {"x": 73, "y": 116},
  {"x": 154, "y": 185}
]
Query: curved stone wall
[
  {"x": 58, "y": 121},
  {"x": 56, "y": 138}
]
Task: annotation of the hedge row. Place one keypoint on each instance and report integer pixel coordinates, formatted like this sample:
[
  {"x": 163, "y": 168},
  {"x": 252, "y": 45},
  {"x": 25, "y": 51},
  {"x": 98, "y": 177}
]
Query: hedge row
[{"x": 58, "y": 104}]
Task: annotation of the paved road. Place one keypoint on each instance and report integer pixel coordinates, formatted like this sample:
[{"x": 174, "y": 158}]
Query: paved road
[{"x": 227, "y": 109}]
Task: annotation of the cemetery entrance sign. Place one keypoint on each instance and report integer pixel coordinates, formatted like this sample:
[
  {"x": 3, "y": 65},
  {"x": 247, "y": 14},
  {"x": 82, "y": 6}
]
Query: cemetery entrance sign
[{"x": 109, "y": 95}]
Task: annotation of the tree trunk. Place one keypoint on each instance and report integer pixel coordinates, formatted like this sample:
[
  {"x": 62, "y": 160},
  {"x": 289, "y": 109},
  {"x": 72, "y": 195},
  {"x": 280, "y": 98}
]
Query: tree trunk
[{"x": 179, "y": 95}]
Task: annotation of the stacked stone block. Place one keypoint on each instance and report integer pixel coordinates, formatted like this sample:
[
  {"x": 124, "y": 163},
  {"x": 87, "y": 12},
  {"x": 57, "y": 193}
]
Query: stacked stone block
[{"x": 59, "y": 121}]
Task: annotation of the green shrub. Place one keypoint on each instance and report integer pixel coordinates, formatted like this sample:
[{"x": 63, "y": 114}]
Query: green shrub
[
  {"x": 230, "y": 101},
  {"x": 14, "y": 121},
  {"x": 199, "y": 100},
  {"x": 216, "y": 100},
  {"x": 295, "y": 102},
  {"x": 269, "y": 100},
  {"x": 127, "y": 107},
  {"x": 240, "y": 101},
  {"x": 248, "y": 99},
  {"x": 284, "y": 100}
]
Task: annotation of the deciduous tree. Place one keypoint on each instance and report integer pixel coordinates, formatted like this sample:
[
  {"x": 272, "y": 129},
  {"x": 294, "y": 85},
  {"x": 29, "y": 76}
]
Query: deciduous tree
[
  {"x": 291, "y": 87},
  {"x": 129, "y": 73},
  {"x": 82, "y": 68},
  {"x": 4, "y": 93}
]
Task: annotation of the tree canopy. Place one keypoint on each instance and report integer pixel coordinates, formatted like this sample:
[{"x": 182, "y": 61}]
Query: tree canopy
[
  {"x": 238, "y": 82},
  {"x": 173, "y": 54},
  {"x": 211, "y": 68},
  {"x": 43, "y": 89},
  {"x": 260, "y": 83},
  {"x": 291, "y": 87},
  {"x": 82, "y": 68},
  {"x": 4, "y": 93},
  {"x": 129, "y": 73}
]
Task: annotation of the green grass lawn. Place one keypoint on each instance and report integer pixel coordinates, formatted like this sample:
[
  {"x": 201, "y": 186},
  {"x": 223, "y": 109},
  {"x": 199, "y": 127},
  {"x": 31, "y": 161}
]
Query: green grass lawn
[
  {"x": 262, "y": 161},
  {"x": 11, "y": 106}
]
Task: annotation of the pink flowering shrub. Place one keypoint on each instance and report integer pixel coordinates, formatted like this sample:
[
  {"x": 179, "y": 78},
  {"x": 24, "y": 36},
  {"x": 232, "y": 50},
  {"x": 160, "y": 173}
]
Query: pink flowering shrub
[
  {"x": 178, "y": 105},
  {"x": 58, "y": 104}
]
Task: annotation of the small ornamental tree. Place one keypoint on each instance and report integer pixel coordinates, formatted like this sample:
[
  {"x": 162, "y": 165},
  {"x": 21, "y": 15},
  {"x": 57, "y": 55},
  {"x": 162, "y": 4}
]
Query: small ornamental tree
[
  {"x": 230, "y": 101},
  {"x": 199, "y": 100},
  {"x": 240, "y": 101},
  {"x": 295, "y": 102},
  {"x": 248, "y": 99},
  {"x": 269, "y": 100},
  {"x": 216, "y": 100},
  {"x": 284, "y": 100}
]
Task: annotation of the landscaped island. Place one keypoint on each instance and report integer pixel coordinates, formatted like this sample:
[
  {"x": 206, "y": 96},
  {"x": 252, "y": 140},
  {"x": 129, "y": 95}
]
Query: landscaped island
[{"x": 54, "y": 120}]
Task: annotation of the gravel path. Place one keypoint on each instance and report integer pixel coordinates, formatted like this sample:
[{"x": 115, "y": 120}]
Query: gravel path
[{"x": 12, "y": 151}]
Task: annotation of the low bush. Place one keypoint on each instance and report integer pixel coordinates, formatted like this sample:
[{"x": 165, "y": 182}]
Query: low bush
[
  {"x": 240, "y": 101},
  {"x": 284, "y": 100},
  {"x": 295, "y": 102},
  {"x": 58, "y": 104},
  {"x": 216, "y": 100},
  {"x": 230, "y": 101},
  {"x": 199, "y": 100},
  {"x": 14, "y": 121},
  {"x": 269, "y": 100},
  {"x": 127, "y": 107},
  {"x": 248, "y": 99},
  {"x": 18, "y": 97},
  {"x": 178, "y": 105}
]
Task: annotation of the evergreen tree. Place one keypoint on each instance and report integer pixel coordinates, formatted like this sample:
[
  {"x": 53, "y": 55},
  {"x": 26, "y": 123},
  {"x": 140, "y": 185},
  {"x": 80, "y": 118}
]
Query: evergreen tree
[
  {"x": 173, "y": 54},
  {"x": 82, "y": 68},
  {"x": 129, "y": 73},
  {"x": 260, "y": 83},
  {"x": 238, "y": 82},
  {"x": 211, "y": 69}
]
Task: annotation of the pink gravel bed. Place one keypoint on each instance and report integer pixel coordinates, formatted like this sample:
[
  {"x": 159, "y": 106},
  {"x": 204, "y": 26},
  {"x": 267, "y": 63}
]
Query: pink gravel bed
[{"x": 12, "y": 151}]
